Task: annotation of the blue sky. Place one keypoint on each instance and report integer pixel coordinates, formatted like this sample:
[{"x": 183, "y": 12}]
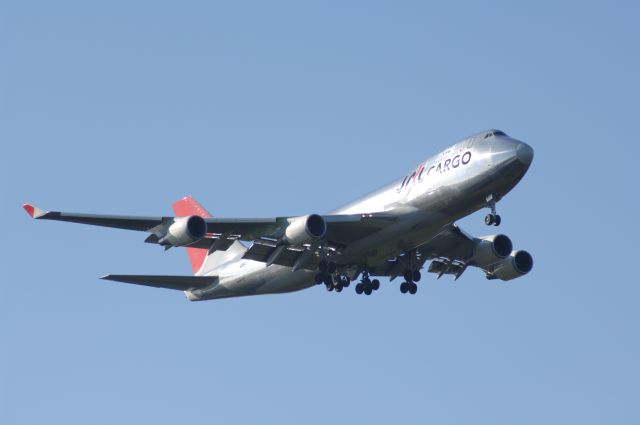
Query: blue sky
[{"x": 283, "y": 108}]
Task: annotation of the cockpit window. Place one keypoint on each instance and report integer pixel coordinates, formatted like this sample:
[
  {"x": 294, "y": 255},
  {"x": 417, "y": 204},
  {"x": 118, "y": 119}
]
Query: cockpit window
[{"x": 494, "y": 133}]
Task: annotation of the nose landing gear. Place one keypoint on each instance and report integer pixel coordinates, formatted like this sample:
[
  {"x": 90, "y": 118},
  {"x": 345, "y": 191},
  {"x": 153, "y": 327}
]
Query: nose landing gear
[{"x": 492, "y": 219}]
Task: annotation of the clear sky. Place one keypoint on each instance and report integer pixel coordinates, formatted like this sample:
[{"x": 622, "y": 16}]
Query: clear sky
[{"x": 283, "y": 108}]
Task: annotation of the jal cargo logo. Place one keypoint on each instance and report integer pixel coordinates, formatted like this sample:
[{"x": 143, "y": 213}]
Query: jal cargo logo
[{"x": 442, "y": 167}]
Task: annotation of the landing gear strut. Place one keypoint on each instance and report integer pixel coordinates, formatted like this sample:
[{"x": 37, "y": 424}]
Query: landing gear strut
[{"x": 493, "y": 218}]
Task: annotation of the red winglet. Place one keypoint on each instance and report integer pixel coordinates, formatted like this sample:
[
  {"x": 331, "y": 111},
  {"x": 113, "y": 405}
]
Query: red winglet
[
  {"x": 30, "y": 209},
  {"x": 33, "y": 211},
  {"x": 185, "y": 207}
]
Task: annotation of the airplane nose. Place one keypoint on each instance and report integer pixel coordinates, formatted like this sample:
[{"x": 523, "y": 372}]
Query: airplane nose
[
  {"x": 524, "y": 153},
  {"x": 505, "y": 149}
]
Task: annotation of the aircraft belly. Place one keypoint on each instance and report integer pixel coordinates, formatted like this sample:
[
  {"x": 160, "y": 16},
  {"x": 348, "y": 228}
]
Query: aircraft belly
[
  {"x": 266, "y": 280},
  {"x": 282, "y": 279},
  {"x": 396, "y": 239}
]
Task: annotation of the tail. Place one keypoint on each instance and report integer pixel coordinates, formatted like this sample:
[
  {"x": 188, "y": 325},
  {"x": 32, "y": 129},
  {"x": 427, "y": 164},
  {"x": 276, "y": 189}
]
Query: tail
[{"x": 185, "y": 207}]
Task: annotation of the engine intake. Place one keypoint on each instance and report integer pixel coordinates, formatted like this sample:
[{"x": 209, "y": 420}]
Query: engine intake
[
  {"x": 492, "y": 249},
  {"x": 184, "y": 231},
  {"x": 305, "y": 229},
  {"x": 517, "y": 264}
]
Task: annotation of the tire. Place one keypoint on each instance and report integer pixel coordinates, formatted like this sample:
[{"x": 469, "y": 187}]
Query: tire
[
  {"x": 417, "y": 276},
  {"x": 368, "y": 290},
  {"x": 488, "y": 219},
  {"x": 404, "y": 287},
  {"x": 359, "y": 289},
  {"x": 329, "y": 287},
  {"x": 413, "y": 288},
  {"x": 497, "y": 220},
  {"x": 346, "y": 282},
  {"x": 339, "y": 288},
  {"x": 375, "y": 284}
]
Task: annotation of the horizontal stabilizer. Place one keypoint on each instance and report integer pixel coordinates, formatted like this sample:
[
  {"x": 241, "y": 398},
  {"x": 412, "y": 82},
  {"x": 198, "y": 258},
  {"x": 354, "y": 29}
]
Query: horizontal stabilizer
[{"x": 181, "y": 283}]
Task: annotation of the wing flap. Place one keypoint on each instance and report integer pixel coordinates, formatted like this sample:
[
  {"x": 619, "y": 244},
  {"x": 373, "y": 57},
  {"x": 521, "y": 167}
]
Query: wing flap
[
  {"x": 262, "y": 250},
  {"x": 181, "y": 283},
  {"x": 221, "y": 244}
]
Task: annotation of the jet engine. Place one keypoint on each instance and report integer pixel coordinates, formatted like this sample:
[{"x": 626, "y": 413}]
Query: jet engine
[
  {"x": 515, "y": 265},
  {"x": 184, "y": 231},
  {"x": 305, "y": 229},
  {"x": 492, "y": 249}
]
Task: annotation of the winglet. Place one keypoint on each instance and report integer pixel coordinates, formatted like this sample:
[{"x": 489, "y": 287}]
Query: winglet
[{"x": 34, "y": 211}]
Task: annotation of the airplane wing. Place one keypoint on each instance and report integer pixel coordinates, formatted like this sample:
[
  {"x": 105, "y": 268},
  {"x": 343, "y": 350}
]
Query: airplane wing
[
  {"x": 452, "y": 251},
  {"x": 341, "y": 229}
]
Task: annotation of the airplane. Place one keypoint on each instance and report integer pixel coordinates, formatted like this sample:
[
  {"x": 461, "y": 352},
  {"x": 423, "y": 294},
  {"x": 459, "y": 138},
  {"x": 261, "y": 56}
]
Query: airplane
[{"x": 391, "y": 232}]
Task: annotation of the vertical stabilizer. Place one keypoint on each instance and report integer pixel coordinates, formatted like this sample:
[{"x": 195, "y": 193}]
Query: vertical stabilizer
[{"x": 188, "y": 206}]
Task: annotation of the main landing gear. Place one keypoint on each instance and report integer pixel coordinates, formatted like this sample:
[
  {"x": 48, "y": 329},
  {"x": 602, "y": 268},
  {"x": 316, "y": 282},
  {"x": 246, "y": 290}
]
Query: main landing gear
[
  {"x": 367, "y": 286},
  {"x": 329, "y": 275},
  {"x": 409, "y": 285},
  {"x": 492, "y": 219}
]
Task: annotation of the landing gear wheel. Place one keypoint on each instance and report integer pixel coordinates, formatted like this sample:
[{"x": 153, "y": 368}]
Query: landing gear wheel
[
  {"x": 346, "y": 282},
  {"x": 489, "y": 219},
  {"x": 359, "y": 289},
  {"x": 417, "y": 276},
  {"x": 375, "y": 284},
  {"x": 339, "y": 287},
  {"x": 413, "y": 288},
  {"x": 404, "y": 287},
  {"x": 368, "y": 290},
  {"x": 497, "y": 220},
  {"x": 329, "y": 287},
  {"x": 328, "y": 280}
]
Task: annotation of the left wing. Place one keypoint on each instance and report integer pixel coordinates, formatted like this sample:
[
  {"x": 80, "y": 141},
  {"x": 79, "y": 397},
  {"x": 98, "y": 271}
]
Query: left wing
[{"x": 453, "y": 250}]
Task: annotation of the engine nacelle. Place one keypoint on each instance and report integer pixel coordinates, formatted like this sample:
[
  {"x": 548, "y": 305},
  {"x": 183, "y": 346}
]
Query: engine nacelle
[
  {"x": 305, "y": 229},
  {"x": 184, "y": 231},
  {"x": 492, "y": 249},
  {"x": 515, "y": 265}
]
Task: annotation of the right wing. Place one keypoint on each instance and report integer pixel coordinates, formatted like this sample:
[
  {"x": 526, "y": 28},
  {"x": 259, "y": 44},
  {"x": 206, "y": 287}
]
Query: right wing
[{"x": 341, "y": 229}]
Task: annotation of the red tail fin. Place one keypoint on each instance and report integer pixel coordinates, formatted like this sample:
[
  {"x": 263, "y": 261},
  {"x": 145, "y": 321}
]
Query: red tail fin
[{"x": 185, "y": 207}]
